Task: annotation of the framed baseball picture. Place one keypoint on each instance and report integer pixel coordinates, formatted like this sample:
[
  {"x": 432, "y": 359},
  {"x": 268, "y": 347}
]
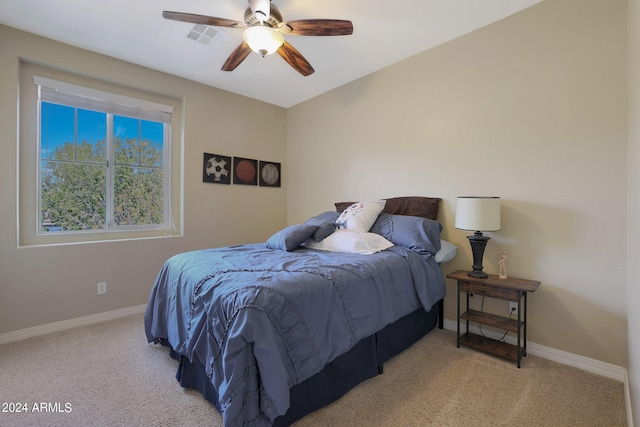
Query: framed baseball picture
[
  {"x": 269, "y": 174},
  {"x": 245, "y": 171},
  {"x": 216, "y": 169}
]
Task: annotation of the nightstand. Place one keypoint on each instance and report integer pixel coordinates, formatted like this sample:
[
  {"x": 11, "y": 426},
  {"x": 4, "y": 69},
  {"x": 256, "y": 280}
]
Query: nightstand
[{"x": 509, "y": 289}]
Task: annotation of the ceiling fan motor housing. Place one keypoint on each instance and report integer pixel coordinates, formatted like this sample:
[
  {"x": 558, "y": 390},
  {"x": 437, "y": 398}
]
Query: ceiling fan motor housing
[{"x": 272, "y": 21}]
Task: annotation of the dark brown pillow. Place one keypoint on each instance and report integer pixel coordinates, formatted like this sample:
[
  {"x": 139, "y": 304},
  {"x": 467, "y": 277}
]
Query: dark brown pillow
[{"x": 423, "y": 207}]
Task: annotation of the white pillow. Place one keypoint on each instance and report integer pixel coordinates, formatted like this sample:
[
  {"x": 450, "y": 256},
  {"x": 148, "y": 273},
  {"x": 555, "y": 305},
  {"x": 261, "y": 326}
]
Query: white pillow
[
  {"x": 351, "y": 242},
  {"x": 360, "y": 216},
  {"x": 447, "y": 252}
]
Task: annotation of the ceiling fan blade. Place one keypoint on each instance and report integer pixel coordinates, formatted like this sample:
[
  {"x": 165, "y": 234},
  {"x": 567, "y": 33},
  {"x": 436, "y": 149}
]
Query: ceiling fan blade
[
  {"x": 236, "y": 57},
  {"x": 260, "y": 8},
  {"x": 295, "y": 59},
  {"x": 203, "y": 19},
  {"x": 317, "y": 27}
]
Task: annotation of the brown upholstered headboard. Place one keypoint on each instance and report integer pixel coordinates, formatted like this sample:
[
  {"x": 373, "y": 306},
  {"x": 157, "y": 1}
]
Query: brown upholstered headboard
[{"x": 424, "y": 207}]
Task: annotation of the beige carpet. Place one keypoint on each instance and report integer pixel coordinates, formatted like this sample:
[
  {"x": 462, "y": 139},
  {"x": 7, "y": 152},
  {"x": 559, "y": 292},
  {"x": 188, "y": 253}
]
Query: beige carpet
[{"x": 107, "y": 375}]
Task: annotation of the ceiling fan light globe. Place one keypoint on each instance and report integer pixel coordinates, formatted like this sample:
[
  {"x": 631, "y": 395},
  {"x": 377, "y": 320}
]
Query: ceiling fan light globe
[{"x": 263, "y": 40}]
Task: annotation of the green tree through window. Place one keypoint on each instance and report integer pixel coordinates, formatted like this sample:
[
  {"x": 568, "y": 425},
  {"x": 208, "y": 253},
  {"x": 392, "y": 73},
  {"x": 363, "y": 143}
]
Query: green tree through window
[{"x": 99, "y": 171}]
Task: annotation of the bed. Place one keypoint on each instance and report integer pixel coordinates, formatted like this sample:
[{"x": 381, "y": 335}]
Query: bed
[{"x": 269, "y": 332}]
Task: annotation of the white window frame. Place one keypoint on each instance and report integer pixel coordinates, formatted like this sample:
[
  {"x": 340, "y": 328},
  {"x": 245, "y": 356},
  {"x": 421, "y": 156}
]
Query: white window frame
[{"x": 64, "y": 93}]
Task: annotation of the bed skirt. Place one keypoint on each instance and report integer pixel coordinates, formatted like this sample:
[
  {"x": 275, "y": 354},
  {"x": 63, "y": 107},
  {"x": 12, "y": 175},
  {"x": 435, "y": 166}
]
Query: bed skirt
[{"x": 365, "y": 360}]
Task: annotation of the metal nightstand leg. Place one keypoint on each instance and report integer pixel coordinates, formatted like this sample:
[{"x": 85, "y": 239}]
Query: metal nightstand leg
[{"x": 458, "y": 319}]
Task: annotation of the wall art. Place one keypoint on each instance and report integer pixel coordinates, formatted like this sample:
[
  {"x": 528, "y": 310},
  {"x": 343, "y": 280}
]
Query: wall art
[
  {"x": 269, "y": 174},
  {"x": 216, "y": 169},
  {"x": 245, "y": 171}
]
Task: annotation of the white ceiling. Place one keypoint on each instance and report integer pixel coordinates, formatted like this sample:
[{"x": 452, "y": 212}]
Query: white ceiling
[{"x": 385, "y": 32}]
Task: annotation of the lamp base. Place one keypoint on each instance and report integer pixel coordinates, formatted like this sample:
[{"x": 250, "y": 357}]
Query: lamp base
[
  {"x": 478, "y": 243},
  {"x": 478, "y": 274}
]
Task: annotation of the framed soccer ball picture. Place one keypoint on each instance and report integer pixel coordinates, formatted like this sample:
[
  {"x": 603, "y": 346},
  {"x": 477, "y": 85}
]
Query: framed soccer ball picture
[
  {"x": 216, "y": 169},
  {"x": 269, "y": 174}
]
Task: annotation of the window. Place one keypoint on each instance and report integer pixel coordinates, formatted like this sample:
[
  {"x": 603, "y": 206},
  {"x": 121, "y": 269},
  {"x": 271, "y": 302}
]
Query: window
[
  {"x": 104, "y": 164},
  {"x": 101, "y": 161}
]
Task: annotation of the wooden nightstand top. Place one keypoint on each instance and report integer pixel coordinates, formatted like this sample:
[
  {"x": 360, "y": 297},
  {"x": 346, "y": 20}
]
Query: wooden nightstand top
[{"x": 523, "y": 285}]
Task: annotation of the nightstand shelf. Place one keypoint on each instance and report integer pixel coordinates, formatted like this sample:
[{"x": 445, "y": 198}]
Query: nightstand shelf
[
  {"x": 489, "y": 319},
  {"x": 488, "y": 345},
  {"x": 509, "y": 289}
]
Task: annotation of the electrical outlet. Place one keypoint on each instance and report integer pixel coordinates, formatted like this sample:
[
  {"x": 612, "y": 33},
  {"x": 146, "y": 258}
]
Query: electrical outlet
[
  {"x": 102, "y": 288},
  {"x": 513, "y": 307}
]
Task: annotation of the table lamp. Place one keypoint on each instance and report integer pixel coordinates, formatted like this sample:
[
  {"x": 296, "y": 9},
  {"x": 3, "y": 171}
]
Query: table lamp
[{"x": 477, "y": 213}]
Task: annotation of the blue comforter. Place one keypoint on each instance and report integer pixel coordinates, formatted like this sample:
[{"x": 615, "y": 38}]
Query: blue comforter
[{"x": 262, "y": 320}]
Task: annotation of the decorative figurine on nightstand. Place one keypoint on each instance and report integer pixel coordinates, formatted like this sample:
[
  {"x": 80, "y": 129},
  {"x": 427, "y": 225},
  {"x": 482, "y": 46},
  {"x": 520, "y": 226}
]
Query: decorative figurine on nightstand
[{"x": 503, "y": 268}]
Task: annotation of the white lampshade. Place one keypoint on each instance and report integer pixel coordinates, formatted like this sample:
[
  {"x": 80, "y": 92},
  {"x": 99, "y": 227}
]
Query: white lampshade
[
  {"x": 478, "y": 213},
  {"x": 263, "y": 40}
]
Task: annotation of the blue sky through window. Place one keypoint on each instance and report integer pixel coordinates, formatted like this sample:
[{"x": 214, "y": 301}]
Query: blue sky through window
[{"x": 58, "y": 127}]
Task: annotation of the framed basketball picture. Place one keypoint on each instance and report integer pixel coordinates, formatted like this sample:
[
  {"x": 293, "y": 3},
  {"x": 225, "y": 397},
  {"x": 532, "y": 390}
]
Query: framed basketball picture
[
  {"x": 216, "y": 169},
  {"x": 245, "y": 171},
  {"x": 269, "y": 174}
]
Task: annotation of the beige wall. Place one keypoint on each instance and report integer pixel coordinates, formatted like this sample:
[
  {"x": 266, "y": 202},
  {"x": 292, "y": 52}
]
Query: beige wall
[
  {"x": 41, "y": 285},
  {"x": 531, "y": 109},
  {"x": 633, "y": 211}
]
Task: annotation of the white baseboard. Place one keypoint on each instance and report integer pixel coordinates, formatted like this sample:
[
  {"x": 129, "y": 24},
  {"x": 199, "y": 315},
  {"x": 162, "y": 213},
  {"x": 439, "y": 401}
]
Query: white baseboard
[
  {"x": 70, "y": 324},
  {"x": 627, "y": 400},
  {"x": 591, "y": 365}
]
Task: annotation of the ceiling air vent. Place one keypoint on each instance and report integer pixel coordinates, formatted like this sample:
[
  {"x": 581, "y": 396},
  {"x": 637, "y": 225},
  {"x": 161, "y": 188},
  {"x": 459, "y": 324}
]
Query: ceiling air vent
[{"x": 208, "y": 35}]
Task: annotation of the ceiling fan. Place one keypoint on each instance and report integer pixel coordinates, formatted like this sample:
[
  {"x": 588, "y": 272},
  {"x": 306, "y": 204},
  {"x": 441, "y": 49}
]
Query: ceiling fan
[{"x": 264, "y": 33}]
